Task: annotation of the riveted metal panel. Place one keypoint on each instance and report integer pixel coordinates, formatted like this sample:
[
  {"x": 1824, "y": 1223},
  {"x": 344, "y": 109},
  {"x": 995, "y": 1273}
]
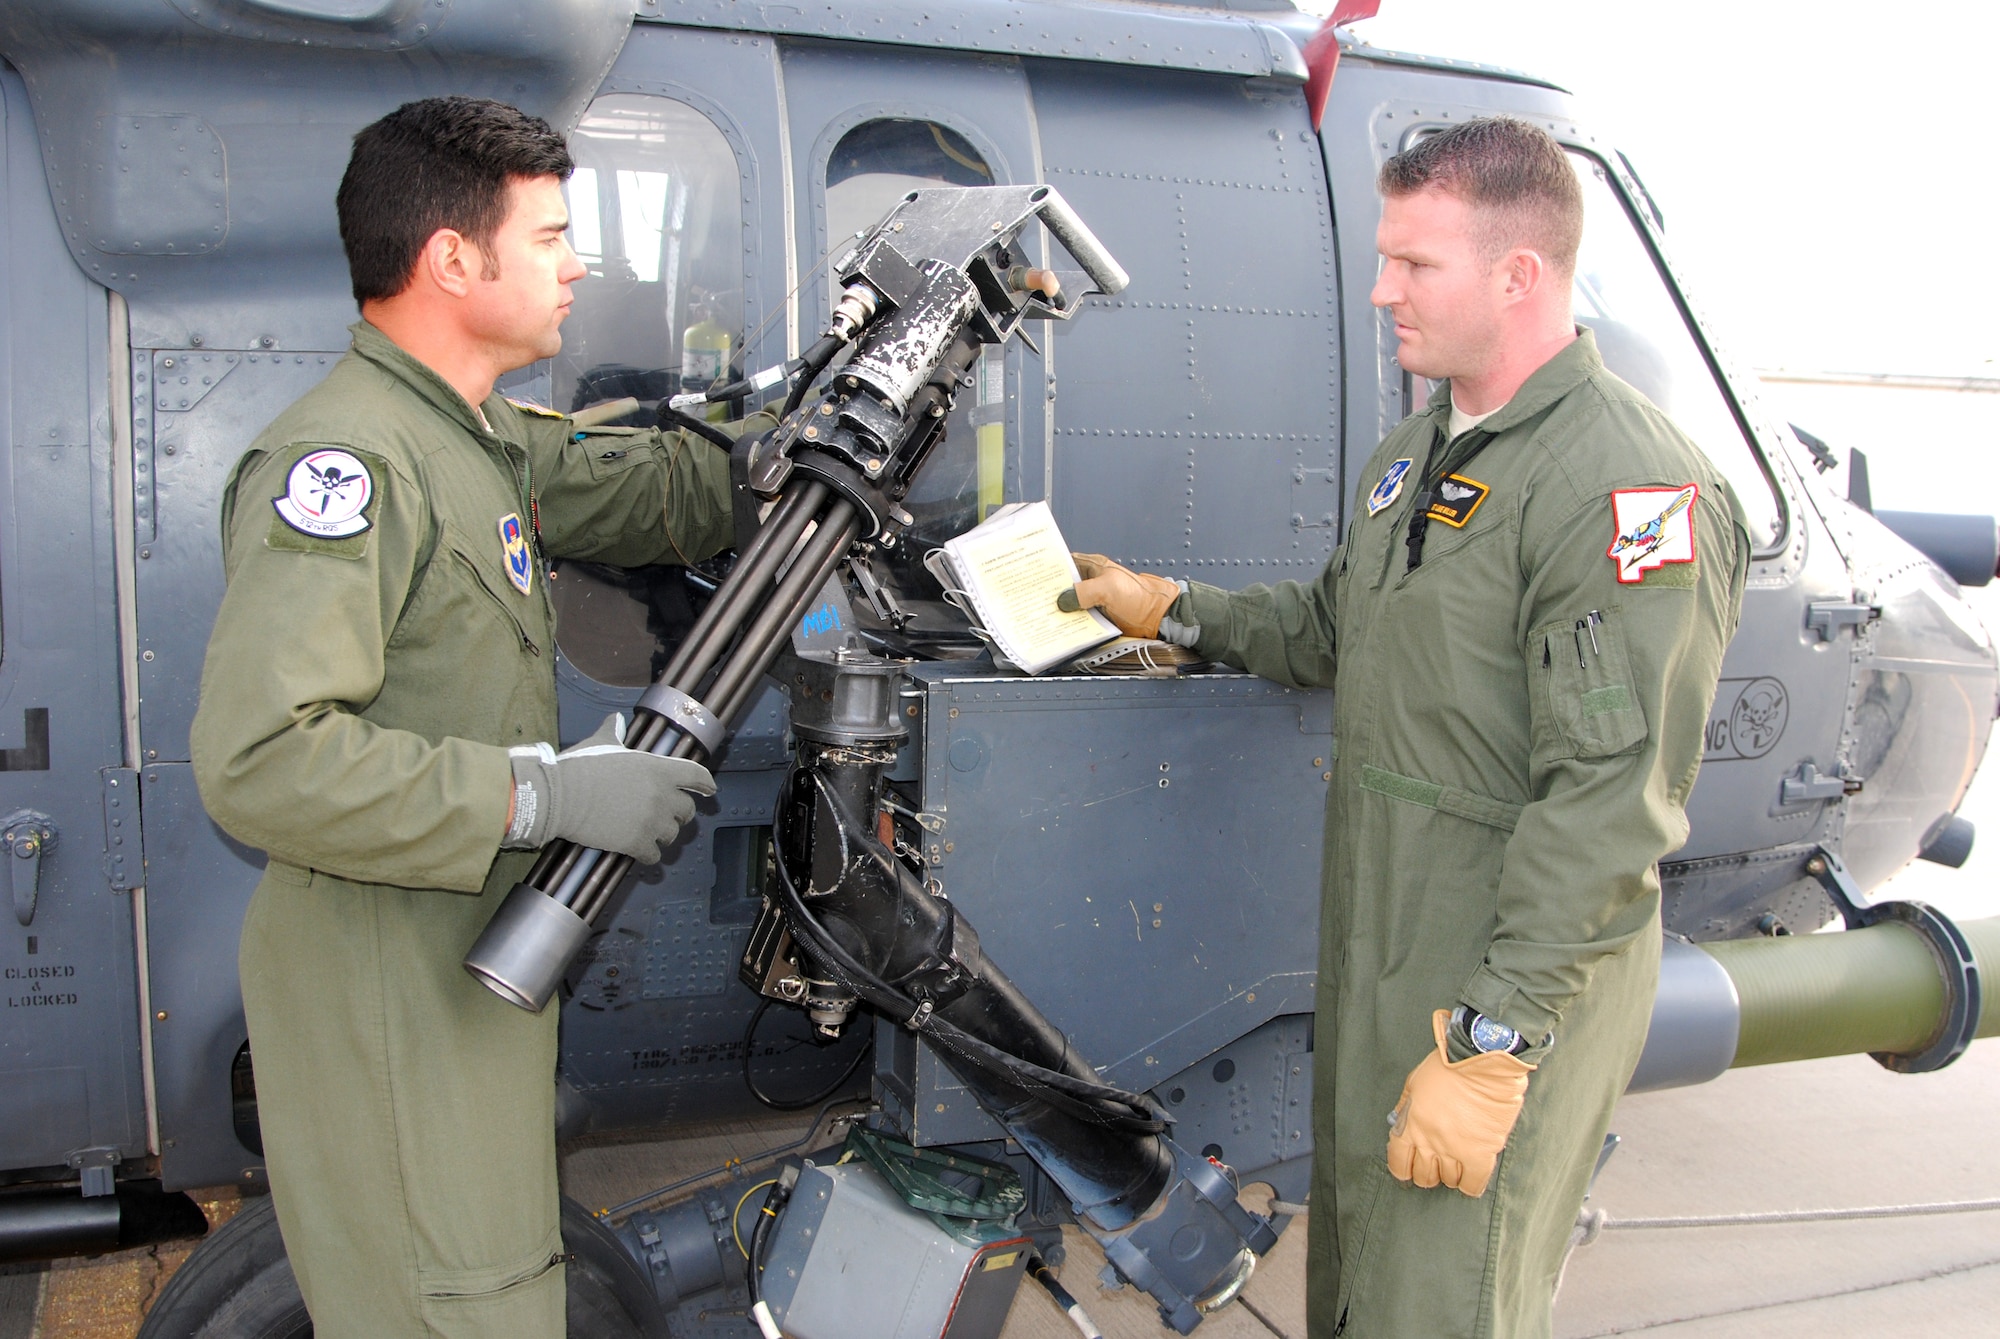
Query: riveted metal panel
[
  {"x": 1141, "y": 856},
  {"x": 69, "y": 1045},
  {"x": 201, "y": 408},
  {"x": 198, "y": 885},
  {"x": 1186, "y": 405}
]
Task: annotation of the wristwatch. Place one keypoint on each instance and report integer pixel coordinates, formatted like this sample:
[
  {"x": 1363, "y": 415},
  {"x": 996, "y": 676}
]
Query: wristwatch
[{"x": 1488, "y": 1035}]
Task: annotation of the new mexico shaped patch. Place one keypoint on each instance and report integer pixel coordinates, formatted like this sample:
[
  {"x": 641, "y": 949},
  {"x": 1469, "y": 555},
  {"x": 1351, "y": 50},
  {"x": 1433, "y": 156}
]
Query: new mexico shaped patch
[
  {"x": 1651, "y": 527},
  {"x": 520, "y": 563}
]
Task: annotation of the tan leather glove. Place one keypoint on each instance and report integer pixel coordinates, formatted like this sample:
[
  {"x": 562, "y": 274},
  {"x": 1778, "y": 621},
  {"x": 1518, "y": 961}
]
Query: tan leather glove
[
  {"x": 1454, "y": 1117},
  {"x": 1135, "y": 601}
]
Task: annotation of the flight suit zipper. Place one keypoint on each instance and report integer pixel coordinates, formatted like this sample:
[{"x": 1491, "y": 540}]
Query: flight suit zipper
[{"x": 520, "y": 629}]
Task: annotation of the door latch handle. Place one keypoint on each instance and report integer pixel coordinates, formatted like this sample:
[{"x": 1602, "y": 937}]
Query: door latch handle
[
  {"x": 26, "y": 836},
  {"x": 1808, "y": 784},
  {"x": 1827, "y": 618}
]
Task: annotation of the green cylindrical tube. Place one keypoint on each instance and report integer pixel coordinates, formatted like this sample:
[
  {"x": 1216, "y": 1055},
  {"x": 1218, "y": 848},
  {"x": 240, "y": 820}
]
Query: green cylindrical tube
[{"x": 1873, "y": 990}]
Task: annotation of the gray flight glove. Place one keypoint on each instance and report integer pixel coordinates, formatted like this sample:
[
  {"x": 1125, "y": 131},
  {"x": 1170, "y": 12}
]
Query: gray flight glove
[{"x": 602, "y": 794}]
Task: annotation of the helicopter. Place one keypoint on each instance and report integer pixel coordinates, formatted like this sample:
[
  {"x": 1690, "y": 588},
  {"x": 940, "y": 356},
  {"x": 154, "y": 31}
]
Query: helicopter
[{"x": 172, "y": 279}]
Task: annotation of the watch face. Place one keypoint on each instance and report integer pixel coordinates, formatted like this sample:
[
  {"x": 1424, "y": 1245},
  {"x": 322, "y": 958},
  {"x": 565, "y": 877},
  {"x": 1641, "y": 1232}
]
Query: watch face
[{"x": 1488, "y": 1035}]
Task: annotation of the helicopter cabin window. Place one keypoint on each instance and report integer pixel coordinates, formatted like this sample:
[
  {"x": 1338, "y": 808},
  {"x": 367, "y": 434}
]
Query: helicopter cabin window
[
  {"x": 656, "y": 217},
  {"x": 868, "y": 173},
  {"x": 1646, "y": 340}
]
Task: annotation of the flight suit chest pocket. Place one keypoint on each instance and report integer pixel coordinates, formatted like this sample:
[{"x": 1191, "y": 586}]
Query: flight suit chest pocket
[
  {"x": 1592, "y": 702},
  {"x": 487, "y": 589}
]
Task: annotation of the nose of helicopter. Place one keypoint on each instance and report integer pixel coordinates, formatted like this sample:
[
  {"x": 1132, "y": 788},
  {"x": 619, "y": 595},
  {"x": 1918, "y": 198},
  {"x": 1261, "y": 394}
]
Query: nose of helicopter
[{"x": 1925, "y": 682}]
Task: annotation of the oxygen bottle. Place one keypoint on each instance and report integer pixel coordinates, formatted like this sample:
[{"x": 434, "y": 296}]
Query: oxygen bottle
[{"x": 705, "y": 348}]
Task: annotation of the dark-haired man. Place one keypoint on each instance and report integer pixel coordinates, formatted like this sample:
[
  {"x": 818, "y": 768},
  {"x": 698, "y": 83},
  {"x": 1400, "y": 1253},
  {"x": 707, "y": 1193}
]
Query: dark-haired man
[
  {"x": 377, "y": 711},
  {"x": 1522, "y": 627}
]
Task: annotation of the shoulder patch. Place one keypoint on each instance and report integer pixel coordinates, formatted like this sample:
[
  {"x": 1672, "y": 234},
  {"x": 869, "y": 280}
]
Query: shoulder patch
[
  {"x": 1390, "y": 485},
  {"x": 327, "y": 494},
  {"x": 1651, "y": 527},
  {"x": 519, "y": 562},
  {"x": 530, "y": 407}
]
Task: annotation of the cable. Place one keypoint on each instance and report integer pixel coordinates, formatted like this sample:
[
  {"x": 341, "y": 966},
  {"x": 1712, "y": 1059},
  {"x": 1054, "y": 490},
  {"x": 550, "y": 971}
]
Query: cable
[
  {"x": 736, "y": 1217},
  {"x": 811, "y": 363},
  {"x": 1098, "y": 1103},
  {"x": 733, "y": 1165},
  {"x": 801, "y": 1104},
  {"x": 1039, "y": 1271},
  {"x": 671, "y": 417}
]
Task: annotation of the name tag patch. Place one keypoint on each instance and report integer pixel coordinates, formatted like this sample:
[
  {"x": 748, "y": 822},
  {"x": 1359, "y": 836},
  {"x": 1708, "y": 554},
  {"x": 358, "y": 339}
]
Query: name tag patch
[
  {"x": 1457, "y": 497},
  {"x": 519, "y": 562},
  {"x": 1390, "y": 486},
  {"x": 326, "y": 494},
  {"x": 1651, "y": 527}
]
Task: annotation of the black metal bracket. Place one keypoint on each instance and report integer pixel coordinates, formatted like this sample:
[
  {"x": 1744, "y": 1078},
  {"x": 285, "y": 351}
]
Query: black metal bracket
[
  {"x": 33, "y": 755},
  {"x": 1963, "y": 995}
]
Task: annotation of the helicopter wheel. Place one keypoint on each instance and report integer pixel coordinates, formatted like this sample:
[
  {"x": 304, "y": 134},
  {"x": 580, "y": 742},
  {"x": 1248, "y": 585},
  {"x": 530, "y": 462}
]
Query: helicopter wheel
[{"x": 239, "y": 1285}]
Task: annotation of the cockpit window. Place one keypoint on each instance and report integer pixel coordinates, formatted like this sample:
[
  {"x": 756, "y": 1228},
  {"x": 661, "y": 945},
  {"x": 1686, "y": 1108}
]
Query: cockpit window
[
  {"x": 656, "y": 216},
  {"x": 1646, "y": 340},
  {"x": 878, "y": 162},
  {"x": 872, "y": 167}
]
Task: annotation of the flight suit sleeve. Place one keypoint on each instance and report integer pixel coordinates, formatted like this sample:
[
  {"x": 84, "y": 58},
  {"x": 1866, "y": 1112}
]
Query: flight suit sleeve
[
  {"x": 633, "y": 497},
  {"x": 282, "y": 760},
  {"x": 1620, "y": 677},
  {"x": 1283, "y": 632}
]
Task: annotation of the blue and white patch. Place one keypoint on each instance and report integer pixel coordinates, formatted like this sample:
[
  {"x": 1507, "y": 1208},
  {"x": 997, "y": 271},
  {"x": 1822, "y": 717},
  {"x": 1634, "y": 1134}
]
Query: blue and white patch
[
  {"x": 1390, "y": 488},
  {"x": 519, "y": 562},
  {"x": 327, "y": 495}
]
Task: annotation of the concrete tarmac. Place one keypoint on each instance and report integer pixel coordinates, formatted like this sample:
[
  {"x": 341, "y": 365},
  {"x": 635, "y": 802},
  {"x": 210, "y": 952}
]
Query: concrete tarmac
[{"x": 1826, "y": 1134}]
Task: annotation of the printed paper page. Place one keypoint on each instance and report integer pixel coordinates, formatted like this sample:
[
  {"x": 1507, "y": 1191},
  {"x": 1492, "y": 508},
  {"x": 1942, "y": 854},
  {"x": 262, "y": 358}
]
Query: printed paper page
[{"x": 1014, "y": 566}]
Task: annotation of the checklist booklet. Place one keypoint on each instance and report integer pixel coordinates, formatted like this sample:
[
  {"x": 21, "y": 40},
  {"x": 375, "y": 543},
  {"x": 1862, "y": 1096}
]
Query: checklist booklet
[{"x": 1007, "y": 572}]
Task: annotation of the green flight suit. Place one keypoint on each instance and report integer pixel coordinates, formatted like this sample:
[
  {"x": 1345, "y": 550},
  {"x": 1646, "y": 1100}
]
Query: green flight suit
[
  {"x": 1508, "y": 771},
  {"x": 360, "y": 694}
]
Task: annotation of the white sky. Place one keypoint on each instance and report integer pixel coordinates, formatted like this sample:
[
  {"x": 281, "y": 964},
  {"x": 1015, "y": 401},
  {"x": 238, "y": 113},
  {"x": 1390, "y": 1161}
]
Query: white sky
[{"x": 1826, "y": 169}]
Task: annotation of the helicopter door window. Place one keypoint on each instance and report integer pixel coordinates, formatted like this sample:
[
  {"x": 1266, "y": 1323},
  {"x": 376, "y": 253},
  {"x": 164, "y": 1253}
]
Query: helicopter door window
[
  {"x": 872, "y": 167},
  {"x": 1647, "y": 340},
  {"x": 656, "y": 217}
]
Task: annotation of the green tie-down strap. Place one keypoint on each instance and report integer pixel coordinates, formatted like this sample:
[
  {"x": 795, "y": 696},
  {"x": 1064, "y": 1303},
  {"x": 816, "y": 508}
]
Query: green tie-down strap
[{"x": 962, "y": 1194}]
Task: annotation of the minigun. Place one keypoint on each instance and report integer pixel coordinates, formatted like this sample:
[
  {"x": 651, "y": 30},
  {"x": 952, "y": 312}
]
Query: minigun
[{"x": 848, "y": 922}]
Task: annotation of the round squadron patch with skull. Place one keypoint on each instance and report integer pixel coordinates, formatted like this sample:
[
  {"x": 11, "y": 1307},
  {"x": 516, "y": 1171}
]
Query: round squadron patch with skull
[{"x": 326, "y": 495}]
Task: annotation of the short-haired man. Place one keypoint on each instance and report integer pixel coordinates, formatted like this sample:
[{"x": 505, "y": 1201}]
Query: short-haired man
[
  {"x": 376, "y": 713},
  {"x": 1522, "y": 627}
]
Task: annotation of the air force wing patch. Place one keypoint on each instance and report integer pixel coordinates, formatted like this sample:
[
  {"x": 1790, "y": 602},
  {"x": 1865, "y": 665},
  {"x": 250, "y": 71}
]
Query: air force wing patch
[
  {"x": 1391, "y": 484},
  {"x": 519, "y": 562},
  {"x": 327, "y": 495},
  {"x": 1457, "y": 497},
  {"x": 1651, "y": 527}
]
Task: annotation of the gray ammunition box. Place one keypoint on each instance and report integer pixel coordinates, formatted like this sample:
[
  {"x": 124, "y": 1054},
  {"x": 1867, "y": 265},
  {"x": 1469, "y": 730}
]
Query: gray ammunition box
[{"x": 851, "y": 1260}]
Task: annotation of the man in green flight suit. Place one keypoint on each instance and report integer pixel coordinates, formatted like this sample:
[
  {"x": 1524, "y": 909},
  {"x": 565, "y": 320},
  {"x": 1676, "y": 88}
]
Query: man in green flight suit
[
  {"x": 1522, "y": 628},
  {"x": 376, "y": 713}
]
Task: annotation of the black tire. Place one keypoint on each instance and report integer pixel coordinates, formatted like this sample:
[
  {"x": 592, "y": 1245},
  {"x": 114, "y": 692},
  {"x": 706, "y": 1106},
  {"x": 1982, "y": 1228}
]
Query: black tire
[{"x": 239, "y": 1285}]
